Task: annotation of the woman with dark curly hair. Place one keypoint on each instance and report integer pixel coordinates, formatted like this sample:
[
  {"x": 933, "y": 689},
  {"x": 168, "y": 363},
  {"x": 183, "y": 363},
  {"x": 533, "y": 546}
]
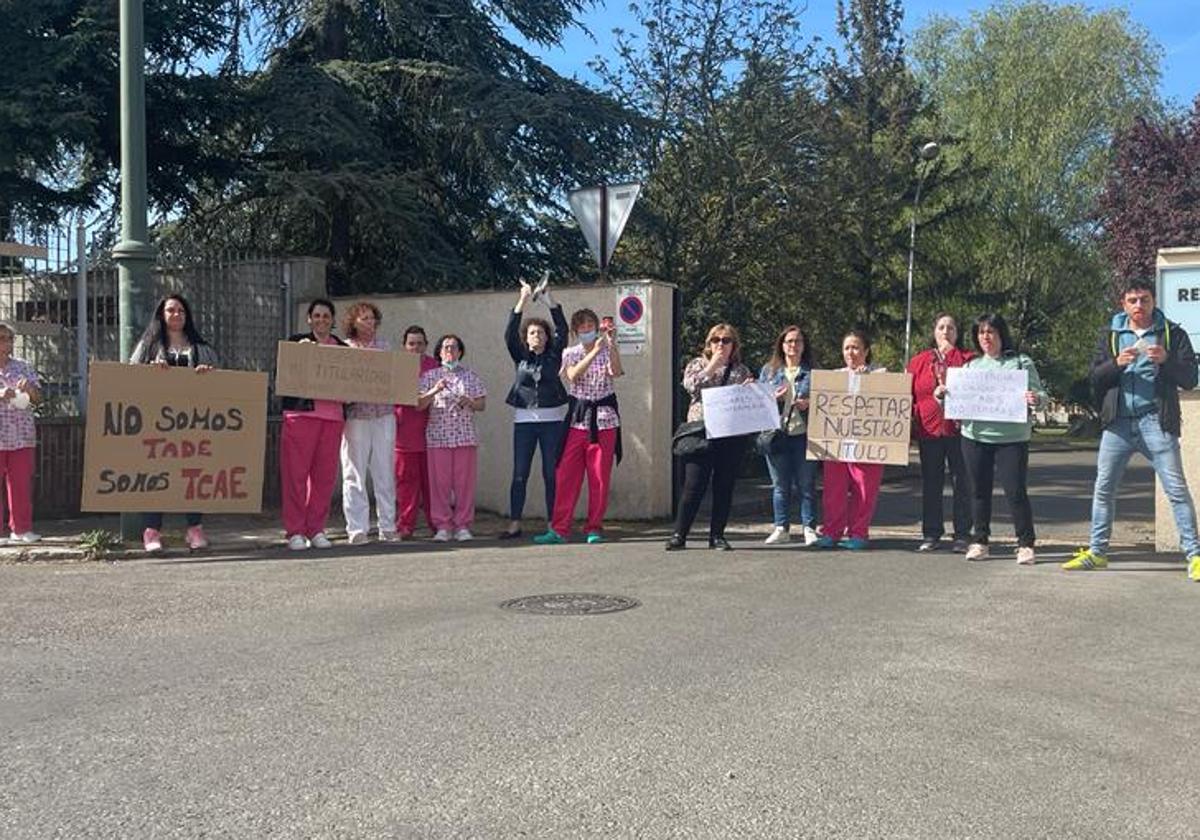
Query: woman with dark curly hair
[{"x": 537, "y": 396}]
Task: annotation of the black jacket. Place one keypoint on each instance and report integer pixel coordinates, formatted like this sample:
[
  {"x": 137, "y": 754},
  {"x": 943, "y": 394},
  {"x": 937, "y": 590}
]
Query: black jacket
[
  {"x": 1178, "y": 371},
  {"x": 303, "y": 403},
  {"x": 537, "y": 384}
]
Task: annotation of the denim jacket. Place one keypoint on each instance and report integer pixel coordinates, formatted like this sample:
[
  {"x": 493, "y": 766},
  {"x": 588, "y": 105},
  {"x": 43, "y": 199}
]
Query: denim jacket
[{"x": 774, "y": 377}]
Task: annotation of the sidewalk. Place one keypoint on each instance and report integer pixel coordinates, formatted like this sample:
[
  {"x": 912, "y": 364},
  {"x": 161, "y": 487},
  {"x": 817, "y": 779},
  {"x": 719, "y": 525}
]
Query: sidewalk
[{"x": 1060, "y": 485}]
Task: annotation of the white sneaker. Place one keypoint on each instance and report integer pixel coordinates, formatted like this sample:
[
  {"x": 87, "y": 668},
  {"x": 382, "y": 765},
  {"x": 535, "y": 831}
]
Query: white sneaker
[
  {"x": 1026, "y": 556},
  {"x": 389, "y": 536},
  {"x": 977, "y": 551},
  {"x": 27, "y": 537},
  {"x": 357, "y": 538},
  {"x": 810, "y": 535},
  {"x": 320, "y": 541},
  {"x": 463, "y": 535},
  {"x": 296, "y": 542},
  {"x": 442, "y": 535},
  {"x": 778, "y": 535}
]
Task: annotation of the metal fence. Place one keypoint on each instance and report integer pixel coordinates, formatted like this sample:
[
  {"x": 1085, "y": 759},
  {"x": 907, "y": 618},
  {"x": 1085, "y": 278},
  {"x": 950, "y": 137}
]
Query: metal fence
[{"x": 60, "y": 296}]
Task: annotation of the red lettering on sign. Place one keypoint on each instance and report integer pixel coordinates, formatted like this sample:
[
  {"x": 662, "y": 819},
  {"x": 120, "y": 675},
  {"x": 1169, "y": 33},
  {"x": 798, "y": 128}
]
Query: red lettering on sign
[
  {"x": 223, "y": 484},
  {"x": 162, "y": 448}
]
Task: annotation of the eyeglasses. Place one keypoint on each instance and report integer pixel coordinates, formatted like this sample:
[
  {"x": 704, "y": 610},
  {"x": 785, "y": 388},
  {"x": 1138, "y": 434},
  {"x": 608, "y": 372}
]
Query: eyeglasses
[{"x": 720, "y": 339}]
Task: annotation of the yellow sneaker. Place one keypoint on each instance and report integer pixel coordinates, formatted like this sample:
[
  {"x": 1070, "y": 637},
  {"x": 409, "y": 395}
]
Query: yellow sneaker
[
  {"x": 1194, "y": 568},
  {"x": 1084, "y": 561}
]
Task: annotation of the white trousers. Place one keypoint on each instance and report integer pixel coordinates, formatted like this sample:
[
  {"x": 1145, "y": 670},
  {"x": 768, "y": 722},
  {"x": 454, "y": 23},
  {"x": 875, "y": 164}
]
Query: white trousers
[{"x": 368, "y": 449}]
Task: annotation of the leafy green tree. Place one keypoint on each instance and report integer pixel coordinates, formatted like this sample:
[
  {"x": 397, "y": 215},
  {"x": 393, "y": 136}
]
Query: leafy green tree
[
  {"x": 1151, "y": 198},
  {"x": 1036, "y": 93},
  {"x": 732, "y": 162},
  {"x": 875, "y": 106},
  {"x": 414, "y": 145},
  {"x": 59, "y": 118}
]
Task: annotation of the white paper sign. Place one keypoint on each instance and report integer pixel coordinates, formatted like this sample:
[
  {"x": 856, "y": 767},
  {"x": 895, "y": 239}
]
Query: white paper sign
[
  {"x": 996, "y": 395},
  {"x": 739, "y": 410}
]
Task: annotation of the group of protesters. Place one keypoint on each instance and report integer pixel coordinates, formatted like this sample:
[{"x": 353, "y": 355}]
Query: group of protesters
[
  {"x": 423, "y": 457},
  {"x": 1140, "y": 363}
]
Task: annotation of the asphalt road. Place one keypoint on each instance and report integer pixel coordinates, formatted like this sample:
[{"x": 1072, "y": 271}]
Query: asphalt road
[{"x": 760, "y": 693}]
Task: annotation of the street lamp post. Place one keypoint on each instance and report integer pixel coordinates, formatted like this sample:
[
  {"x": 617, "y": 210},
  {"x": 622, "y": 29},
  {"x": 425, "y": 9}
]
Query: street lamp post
[
  {"x": 927, "y": 153},
  {"x": 133, "y": 254}
]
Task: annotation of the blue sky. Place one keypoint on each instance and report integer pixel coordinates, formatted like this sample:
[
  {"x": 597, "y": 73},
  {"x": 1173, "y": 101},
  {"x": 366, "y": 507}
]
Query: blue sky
[{"x": 1174, "y": 24}]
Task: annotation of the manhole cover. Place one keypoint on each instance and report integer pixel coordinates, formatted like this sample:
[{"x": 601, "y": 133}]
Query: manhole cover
[{"x": 570, "y": 604}]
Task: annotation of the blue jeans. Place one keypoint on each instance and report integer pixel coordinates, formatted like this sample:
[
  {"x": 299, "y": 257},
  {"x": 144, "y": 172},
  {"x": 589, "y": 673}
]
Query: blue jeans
[
  {"x": 1123, "y": 437},
  {"x": 791, "y": 475},
  {"x": 527, "y": 437}
]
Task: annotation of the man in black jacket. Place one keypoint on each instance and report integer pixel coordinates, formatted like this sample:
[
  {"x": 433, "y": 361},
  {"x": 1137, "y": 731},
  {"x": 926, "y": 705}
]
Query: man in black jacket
[{"x": 1140, "y": 363}]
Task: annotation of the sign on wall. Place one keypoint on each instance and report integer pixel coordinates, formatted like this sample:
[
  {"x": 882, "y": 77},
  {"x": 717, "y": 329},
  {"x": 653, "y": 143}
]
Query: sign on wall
[
  {"x": 863, "y": 418},
  {"x": 174, "y": 440},
  {"x": 1179, "y": 294},
  {"x": 346, "y": 374},
  {"x": 632, "y": 317}
]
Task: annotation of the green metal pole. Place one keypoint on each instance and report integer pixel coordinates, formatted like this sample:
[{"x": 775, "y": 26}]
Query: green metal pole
[{"x": 133, "y": 254}]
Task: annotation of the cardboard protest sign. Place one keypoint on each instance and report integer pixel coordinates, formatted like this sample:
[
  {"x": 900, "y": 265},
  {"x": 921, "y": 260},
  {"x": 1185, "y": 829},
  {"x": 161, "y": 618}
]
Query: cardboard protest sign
[
  {"x": 859, "y": 417},
  {"x": 174, "y": 440},
  {"x": 987, "y": 395},
  {"x": 732, "y": 410},
  {"x": 346, "y": 374}
]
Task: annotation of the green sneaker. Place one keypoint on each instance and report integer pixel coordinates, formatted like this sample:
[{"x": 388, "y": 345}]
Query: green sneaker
[
  {"x": 1085, "y": 561},
  {"x": 551, "y": 537},
  {"x": 594, "y": 538},
  {"x": 1194, "y": 568}
]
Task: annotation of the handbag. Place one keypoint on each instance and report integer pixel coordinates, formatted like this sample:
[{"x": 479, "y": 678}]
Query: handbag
[
  {"x": 770, "y": 441},
  {"x": 689, "y": 439}
]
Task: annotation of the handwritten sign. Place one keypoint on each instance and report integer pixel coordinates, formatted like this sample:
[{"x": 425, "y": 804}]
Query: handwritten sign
[
  {"x": 346, "y": 374},
  {"x": 733, "y": 410},
  {"x": 174, "y": 440},
  {"x": 997, "y": 395},
  {"x": 863, "y": 418}
]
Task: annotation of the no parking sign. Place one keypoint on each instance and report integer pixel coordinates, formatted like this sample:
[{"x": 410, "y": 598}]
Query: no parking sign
[{"x": 631, "y": 319}]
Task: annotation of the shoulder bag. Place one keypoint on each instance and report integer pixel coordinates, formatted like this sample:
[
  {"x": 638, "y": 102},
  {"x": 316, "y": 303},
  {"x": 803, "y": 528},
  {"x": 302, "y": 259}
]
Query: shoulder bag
[{"x": 689, "y": 439}]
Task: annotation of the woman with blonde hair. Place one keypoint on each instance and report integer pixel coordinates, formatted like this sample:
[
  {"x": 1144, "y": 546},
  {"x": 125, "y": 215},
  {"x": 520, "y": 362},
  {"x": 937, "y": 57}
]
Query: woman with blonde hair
[{"x": 719, "y": 364}]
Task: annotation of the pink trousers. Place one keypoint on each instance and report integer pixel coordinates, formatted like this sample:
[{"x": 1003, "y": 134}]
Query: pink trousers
[
  {"x": 452, "y": 486},
  {"x": 412, "y": 490},
  {"x": 851, "y": 491},
  {"x": 308, "y": 467},
  {"x": 16, "y": 468},
  {"x": 581, "y": 456}
]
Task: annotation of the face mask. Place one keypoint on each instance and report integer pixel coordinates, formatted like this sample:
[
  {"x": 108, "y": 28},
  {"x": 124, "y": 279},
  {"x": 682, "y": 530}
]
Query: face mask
[
  {"x": 450, "y": 365},
  {"x": 587, "y": 337}
]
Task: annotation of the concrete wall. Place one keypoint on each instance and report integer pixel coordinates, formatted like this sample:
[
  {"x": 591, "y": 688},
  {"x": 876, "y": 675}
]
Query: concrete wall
[
  {"x": 642, "y": 482},
  {"x": 1179, "y": 268},
  {"x": 1166, "y": 536}
]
